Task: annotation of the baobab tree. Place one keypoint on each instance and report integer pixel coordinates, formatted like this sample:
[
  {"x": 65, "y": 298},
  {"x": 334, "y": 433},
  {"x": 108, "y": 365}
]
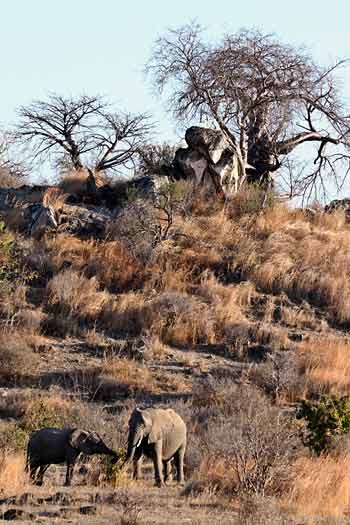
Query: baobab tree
[
  {"x": 267, "y": 98},
  {"x": 82, "y": 132}
]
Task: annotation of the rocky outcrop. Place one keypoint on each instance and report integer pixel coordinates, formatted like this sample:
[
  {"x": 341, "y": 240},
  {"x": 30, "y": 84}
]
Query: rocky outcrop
[
  {"x": 43, "y": 219},
  {"x": 339, "y": 204},
  {"x": 208, "y": 159},
  {"x": 32, "y": 210}
]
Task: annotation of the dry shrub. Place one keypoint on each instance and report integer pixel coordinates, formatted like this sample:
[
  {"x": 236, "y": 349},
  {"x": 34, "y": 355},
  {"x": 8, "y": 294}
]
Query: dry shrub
[
  {"x": 54, "y": 198},
  {"x": 72, "y": 294},
  {"x": 326, "y": 363},
  {"x": 13, "y": 478},
  {"x": 259, "y": 510},
  {"x": 125, "y": 376},
  {"x": 227, "y": 304},
  {"x": 114, "y": 265},
  {"x": 111, "y": 262},
  {"x": 77, "y": 182},
  {"x": 302, "y": 317},
  {"x": 17, "y": 359},
  {"x": 181, "y": 319},
  {"x": 283, "y": 252},
  {"x": 249, "y": 201},
  {"x": 321, "y": 486},
  {"x": 128, "y": 314},
  {"x": 244, "y": 444}
]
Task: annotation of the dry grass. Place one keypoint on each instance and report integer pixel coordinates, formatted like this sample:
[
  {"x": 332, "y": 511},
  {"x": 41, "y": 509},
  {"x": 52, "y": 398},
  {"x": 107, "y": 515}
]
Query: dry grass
[
  {"x": 76, "y": 182},
  {"x": 286, "y": 253},
  {"x": 326, "y": 362},
  {"x": 73, "y": 294},
  {"x": 321, "y": 486},
  {"x": 111, "y": 262},
  {"x": 13, "y": 478},
  {"x": 181, "y": 319},
  {"x": 54, "y": 198},
  {"x": 126, "y": 376},
  {"x": 17, "y": 359},
  {"x": 127, "y": 314}
]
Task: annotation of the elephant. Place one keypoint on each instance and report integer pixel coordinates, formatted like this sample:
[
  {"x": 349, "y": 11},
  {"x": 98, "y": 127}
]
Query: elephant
[
  {"x": 159, "y": 435},
  {"x": 54, "y": 445}
]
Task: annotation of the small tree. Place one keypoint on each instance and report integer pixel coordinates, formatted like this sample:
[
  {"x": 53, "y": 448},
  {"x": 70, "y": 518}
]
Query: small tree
[
  {"x": 266, "y": 97},
  {"x": 11, "y": 171},
  {"x": 82, "y": 132},
  {"x": 157, "y": 159},
  {"x": 326, "y": 418}
]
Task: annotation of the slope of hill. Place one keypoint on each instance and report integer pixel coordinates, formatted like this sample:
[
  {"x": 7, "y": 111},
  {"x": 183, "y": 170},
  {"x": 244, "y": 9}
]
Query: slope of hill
[{"x": 231, "y": 317}]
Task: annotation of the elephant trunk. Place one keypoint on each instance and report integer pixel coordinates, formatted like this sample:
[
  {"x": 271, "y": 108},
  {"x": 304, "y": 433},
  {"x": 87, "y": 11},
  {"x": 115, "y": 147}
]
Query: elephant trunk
[
  {"x": 108, "y": 451},
  {"x": 130, "y": 453},
  {"x": 133, "y": 442}
]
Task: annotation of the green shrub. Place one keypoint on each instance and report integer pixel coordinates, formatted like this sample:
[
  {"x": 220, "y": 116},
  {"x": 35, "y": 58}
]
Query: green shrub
[
  {"x": 39, "y": 414},
  {"x": 249, "y": 201},
  {"x": 324, "y": 419}
]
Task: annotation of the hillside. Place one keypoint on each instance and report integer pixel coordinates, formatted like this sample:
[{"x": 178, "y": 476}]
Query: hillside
[{"x": 229, "y": 312}]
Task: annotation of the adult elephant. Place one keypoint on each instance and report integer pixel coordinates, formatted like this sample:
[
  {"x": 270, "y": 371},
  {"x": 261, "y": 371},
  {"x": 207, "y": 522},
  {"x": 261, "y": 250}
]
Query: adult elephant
[
  {"x": 159, "y": 435},
  {"x": 53, "y": 446}
]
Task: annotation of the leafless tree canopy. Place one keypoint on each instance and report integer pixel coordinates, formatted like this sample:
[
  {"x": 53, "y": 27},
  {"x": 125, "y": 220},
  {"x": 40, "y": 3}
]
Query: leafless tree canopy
[
  {"x": 156, "y": 159},
  {"x": 82, "y": 132},
  {"x": 11, "y": 171},
  {"x": 266, "y": 97}
]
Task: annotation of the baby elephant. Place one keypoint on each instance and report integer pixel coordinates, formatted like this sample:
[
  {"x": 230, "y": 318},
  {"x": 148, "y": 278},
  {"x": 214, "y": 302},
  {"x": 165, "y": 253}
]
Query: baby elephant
[
  {"x": 54, "y": 445},
  {"x": 159, "y": 435}
]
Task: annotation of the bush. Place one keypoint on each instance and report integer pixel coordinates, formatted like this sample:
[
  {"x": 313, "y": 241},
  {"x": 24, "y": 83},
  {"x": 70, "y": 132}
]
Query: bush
[
  {"x": 324, "y": 419},
  {"x": 181, "y": 319},
  {"x": 17, "y": 359},
  {"x": 247, "y": 445},
  {"x": 249, "y": 201}
]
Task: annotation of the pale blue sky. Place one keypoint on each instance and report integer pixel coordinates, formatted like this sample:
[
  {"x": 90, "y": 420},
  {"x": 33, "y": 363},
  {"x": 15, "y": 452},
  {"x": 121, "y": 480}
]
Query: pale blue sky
[{"x": 75, "y": 46}]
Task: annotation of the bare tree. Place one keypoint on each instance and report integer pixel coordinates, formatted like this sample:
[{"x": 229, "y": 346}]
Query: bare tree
[
  {"x": 82, "y": 132},
  {"x": 266, "y": 97},
  {"x": 11, "y": 171},
  {"x": 157, "y": 159}
]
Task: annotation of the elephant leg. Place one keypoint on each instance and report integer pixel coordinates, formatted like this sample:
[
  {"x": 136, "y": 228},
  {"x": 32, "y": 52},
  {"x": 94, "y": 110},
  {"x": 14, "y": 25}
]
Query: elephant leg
[
  {"x": 138, "y": 468},
  {"x": 167, "y": 471},
  {"x": 32, "y": 471},
  {"x": 40, "y": 476},
  {"x": 69, "y": 473},
  {"x": 158, "y": 464},
  {"x": 179, "y": 462}
]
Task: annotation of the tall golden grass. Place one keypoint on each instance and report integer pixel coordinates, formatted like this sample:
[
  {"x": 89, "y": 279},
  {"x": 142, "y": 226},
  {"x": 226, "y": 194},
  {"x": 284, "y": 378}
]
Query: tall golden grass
[
  {"x": 326, "y": 362},
  {"x": 13, "y": 477},
  {"x": 321, "y": 486}
]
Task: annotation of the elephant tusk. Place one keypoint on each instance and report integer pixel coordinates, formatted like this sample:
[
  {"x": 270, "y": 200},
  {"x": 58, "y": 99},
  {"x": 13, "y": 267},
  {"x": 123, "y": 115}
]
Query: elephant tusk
[{"x": 138, "y": 443}]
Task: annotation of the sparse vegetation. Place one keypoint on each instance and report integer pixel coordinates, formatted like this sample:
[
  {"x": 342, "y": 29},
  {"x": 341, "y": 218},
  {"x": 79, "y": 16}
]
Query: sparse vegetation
[{"x": 187, "y": 276}]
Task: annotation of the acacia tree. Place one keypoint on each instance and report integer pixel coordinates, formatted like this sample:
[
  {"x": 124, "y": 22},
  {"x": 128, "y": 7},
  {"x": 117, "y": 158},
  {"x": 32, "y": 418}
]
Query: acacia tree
[
  {"x": 266, "y": 97},
  {"x": 82, "y": 132}
]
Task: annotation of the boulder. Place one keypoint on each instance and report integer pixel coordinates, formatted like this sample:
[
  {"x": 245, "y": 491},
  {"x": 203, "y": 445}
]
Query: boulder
[
  {"x": 339, "y": 204},
  {"x": 43, "y": 219},
  {"x": 211, "y": 143},
  {"x": 209, "y": 159}
]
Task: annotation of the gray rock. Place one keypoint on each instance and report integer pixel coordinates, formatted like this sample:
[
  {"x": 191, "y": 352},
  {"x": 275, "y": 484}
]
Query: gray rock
[
  {"x": 88, "y": 510},
  {"x": 209, "y": 160},
  {"x": 17, "y": 514},
  {"x": 43, "y": 220},
  {"x": 339, "y": 204}
]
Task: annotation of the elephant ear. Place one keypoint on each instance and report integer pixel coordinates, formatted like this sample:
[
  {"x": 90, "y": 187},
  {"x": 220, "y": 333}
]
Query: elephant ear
[
  {"x": 78, "y": 438},
  {"x": 146, "y": 418},
  {"x": 155, "y": 434}
]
